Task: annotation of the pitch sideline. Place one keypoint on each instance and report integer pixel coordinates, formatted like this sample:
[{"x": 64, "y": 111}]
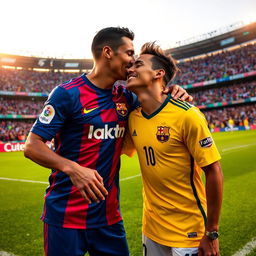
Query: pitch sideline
[{"x": 44, "y": 182}]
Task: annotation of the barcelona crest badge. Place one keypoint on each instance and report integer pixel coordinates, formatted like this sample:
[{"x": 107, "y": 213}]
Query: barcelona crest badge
[
  {"x": 163, "y": 133},
  {"x": 121, "y": 109}
]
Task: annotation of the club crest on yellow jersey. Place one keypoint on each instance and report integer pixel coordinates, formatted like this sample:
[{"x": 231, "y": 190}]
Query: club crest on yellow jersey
[
  {"x": 121, "y": 109},
  {"x": 163, "y": 133}
]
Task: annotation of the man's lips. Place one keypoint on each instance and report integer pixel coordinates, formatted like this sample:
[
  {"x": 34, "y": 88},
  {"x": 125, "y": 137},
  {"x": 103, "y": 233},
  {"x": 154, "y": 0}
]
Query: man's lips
[
  {"x": 133, "y": 75},
  {"x": 130, "y": 78}
]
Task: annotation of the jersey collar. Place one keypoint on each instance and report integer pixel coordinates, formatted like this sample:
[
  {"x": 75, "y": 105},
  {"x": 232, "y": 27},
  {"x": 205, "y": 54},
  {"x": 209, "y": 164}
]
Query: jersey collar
[{"x": 158, "y": 110}]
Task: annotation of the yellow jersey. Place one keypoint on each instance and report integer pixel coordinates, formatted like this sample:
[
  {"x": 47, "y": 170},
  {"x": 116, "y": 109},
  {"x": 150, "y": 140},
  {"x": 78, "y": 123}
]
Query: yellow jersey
[{"x": 172, "y": 144}]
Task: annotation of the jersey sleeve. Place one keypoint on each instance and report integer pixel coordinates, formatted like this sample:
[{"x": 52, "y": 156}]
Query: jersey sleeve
[
  {"x": 198, "y": 138},
  {"x": 57, "y": 109}
]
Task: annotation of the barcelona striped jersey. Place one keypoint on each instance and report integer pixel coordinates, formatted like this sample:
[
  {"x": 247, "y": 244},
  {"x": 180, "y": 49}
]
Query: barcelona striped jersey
[{"x": 88, "y": 126}]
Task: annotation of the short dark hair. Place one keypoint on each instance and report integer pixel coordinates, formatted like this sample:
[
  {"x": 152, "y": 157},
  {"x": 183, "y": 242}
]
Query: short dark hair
[
  {"x": 112, "y": 37},
  {"x": 160, "y": 60}
]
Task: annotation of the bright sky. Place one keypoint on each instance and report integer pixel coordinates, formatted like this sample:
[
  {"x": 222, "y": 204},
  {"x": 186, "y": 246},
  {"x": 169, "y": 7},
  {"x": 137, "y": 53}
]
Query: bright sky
[{"x": 61, "y": 28}]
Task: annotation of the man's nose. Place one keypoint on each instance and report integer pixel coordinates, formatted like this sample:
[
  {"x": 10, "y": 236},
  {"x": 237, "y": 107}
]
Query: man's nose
[
  {"x": 132, "y": 61},
  {"x": 130, "y": 69}
]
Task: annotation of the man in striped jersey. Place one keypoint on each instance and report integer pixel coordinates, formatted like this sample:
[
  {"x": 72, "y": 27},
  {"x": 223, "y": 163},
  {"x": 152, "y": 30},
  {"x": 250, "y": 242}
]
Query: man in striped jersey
[
  {"x": 87, "y": 117},
  {"x": 172, "y": 149}
]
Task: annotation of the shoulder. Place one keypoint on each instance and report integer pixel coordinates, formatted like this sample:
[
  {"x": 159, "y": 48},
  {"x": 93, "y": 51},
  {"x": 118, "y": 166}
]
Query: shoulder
[
  {"x": 195, "y": 113},
  {"x": 180, "y": 105},
  {"x": 72, "y": 83},
  {"x": 194, "y": 118}
]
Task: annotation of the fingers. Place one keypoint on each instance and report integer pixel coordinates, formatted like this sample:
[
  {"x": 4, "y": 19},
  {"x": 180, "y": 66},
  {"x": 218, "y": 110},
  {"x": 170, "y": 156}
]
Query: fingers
[
  {"x": 89, "y": 183},
  {"x": 178, "y": 92},
  {"x": 91, "y": 193},
  {"x": 97, "y": 191},
  {"x": 101, "y": 184},
  {"x": 186, "y": 97},
  {"x": 175, "y": 89},
  {"x": 93, "y": 188},
  {"x": 88, "y": 201},
  {"x": 94, "y": 194},
  {"x": 100, "y": 179}
]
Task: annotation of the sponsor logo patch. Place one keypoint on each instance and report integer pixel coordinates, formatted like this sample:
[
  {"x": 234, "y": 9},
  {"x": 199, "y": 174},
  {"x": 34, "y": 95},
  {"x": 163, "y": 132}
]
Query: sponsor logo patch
[
  {"x": 121, "y": 109},
  {"x": 106, "y": 132},
  {"x": 206, "y": 142},
  {"x": 87, "y": 111},
  {"x": 47, "y": 115},
  {"x": 192, "y": 234},
  {"x": 163, "y": 133}
]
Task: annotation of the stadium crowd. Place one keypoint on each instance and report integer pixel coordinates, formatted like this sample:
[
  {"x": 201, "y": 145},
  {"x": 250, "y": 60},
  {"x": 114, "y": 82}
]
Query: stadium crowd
[
  {"x": 228, "y": 93},
  {"x": 243, "y": 115},
  {"x": 31, "y": 81},
  {"x": 11, "y": 130},
  {"x": 223, "y": 64},
  {"x": 20, "y": 107}
]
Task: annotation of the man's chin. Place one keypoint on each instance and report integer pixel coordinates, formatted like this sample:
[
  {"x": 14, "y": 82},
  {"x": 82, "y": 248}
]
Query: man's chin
[{"x": 130, "y": 86}]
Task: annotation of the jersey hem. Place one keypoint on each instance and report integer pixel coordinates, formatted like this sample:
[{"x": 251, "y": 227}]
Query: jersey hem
[
  {"x": 172, "y": 244},
  {"x": 45, "y": 220}
]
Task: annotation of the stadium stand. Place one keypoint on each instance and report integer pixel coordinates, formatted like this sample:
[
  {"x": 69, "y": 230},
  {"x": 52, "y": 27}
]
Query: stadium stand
[
  {"x": 233, "y": 92},
  {"x": 223, "y": 83},
  {"x": 223, "y": 64},
  {"x": 31, "y": 81},
  {"x": 237, "y": 116},
  {"x": 11, "y": 130}
]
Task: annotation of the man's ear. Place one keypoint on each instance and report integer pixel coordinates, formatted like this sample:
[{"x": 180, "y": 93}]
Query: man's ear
[
  {"x": 160, "y": 73},
  {"x": 107, "y": 52}
]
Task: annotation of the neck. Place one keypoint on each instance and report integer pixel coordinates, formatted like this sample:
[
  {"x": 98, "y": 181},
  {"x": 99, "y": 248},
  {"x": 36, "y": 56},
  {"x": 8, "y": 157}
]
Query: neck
[
  {"x": 151, "y": 100},
  {"x": 101, "y": 77}
]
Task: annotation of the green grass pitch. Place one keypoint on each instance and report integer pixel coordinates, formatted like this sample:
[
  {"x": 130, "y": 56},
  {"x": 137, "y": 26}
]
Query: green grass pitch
[{"x": 21, "y": 203}]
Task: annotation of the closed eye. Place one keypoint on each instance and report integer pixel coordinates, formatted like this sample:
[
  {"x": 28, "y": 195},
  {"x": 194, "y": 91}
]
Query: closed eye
[
  {"x": 130, "y": 53},
  {"x": 138, "y": 63}
]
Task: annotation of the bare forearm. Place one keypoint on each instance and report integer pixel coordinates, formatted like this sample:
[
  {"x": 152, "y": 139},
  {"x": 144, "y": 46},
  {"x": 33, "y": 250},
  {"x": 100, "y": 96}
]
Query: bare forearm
[
  {"x": 214, "y": 192},
  {"x": 39, "y": 152},
  {"x": 88, "y": 181}
]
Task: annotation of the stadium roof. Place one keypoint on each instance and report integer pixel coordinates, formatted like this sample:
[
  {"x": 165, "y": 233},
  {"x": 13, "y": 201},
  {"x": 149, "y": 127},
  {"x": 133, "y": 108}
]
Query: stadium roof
[
  {"x": 225, "y": 40},
  {"x": 232, "y": 38}
]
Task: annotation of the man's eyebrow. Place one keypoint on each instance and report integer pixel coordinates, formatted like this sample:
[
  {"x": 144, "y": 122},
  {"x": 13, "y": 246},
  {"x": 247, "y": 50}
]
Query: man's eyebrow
[{"x": 138, "y": 62}]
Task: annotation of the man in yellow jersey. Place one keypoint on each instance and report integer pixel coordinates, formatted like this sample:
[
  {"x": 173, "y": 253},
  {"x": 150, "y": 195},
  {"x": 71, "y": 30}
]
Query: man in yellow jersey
[{"x": 173, "y": 143}]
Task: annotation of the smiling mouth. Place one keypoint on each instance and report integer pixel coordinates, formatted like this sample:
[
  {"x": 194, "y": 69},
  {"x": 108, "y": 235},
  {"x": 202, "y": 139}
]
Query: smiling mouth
[{"x": 132, "y": 75}]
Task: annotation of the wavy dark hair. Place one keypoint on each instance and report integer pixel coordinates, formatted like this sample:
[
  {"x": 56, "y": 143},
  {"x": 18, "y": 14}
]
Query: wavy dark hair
[
  {"x": 161, "y": 61},
  {"x": 112, "y": 37}
]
